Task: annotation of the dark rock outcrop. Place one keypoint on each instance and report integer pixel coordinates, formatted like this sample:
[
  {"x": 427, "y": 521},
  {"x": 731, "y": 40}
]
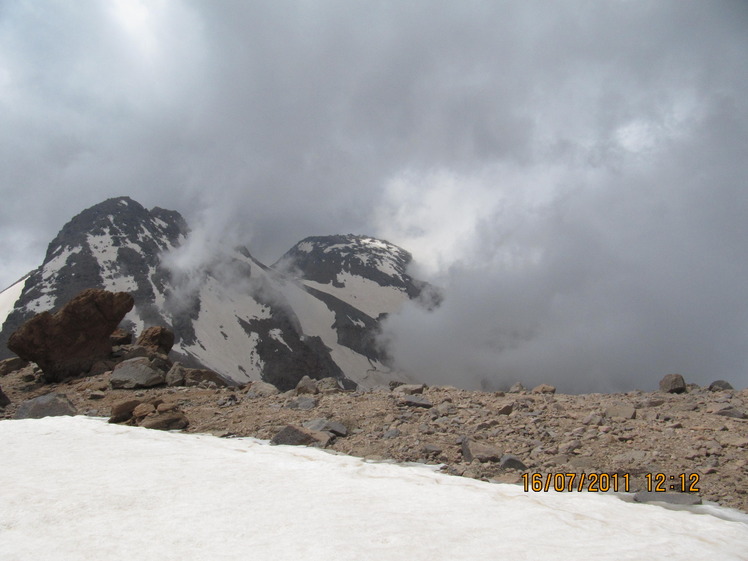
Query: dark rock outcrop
[
  {"x": 4, "y": 400},
  {"x": 69, "y": 342}
]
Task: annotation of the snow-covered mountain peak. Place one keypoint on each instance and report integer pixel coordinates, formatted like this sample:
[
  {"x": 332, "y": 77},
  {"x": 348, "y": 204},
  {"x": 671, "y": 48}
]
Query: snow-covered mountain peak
[
  {"x": 228, "y": 311},
  {"x": 115, "y": 245}
]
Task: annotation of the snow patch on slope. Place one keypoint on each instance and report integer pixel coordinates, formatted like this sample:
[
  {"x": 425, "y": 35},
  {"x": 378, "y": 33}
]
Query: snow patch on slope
[
  {"x": 184, "y": 501},
  {"x": 368, "y": 296},
  {"x": 223, "y": 343},
  {"x": 317, "y": 319},
  {"x": 9, "y": 297}
]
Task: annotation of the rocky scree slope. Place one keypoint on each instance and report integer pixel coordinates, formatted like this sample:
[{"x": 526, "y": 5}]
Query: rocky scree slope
[{"x": 494, "y": 436}]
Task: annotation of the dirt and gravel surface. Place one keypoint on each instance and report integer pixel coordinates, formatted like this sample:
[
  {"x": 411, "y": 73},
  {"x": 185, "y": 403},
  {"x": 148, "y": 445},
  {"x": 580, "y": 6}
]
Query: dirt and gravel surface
[{"x": 507, "y": 437}]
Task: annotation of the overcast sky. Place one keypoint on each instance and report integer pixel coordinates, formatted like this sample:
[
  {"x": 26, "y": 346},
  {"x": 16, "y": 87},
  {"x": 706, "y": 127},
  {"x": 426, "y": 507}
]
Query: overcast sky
[{"x": 573, "y": 174}]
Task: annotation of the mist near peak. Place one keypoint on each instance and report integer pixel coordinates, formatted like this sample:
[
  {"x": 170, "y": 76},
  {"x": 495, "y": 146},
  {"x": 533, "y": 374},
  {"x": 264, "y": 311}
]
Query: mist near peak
[{"x": 571, "y": 174}]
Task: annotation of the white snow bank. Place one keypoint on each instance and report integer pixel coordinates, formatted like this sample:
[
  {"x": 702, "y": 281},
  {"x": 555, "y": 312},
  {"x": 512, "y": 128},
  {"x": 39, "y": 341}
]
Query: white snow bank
[{"x": 79, "y": 488}]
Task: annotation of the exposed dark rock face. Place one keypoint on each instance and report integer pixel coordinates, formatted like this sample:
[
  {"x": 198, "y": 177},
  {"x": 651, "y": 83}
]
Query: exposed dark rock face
[
  {"x": 111, "y": 241},
  {"x": 318, "y": 312},
  {"x": 323, "y": 258},
  {"x": 69, "y": 342}
]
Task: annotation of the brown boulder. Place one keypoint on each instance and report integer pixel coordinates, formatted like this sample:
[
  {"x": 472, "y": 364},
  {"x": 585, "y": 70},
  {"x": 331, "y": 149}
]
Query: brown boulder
[
  {"x": 122, "y": 410},
  {"x": 544, "y": 388},
  {"x": 68, "y": 342},
  {"x": 121, "y": 337},
  {"x": 171, "y": 420},
  {"x": 472, "y": 450},
  {"x": 158, "y": 339}
]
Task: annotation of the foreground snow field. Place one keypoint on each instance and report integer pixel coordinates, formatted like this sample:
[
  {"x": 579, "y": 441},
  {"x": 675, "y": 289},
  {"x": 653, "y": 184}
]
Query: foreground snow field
[{"x": 79, "y": 488}]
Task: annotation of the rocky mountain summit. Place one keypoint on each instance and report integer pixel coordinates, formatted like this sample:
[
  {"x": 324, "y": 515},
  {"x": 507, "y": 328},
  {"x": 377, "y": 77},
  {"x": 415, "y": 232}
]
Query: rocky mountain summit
[{"x": 317, "y": 311}]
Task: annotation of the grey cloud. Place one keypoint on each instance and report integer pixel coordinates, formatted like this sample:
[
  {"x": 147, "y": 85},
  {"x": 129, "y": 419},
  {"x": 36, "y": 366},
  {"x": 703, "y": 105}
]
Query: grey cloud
[{"x": 595, "y": 154}]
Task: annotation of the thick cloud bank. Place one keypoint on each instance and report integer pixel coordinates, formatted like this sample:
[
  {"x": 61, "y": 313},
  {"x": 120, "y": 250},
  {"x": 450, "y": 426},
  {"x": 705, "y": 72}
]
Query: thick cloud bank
[{"x": 572, "y": 173}]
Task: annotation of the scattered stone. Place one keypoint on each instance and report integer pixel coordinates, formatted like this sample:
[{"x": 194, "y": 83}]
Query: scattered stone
[
  {"x": 101, "y": 366},
  {"x": 167, "y": 406},
  {"x": 49, "y": 405},
  {"x": 122, "y": 410},
  {"x": 472, "y": 450},
  {"x": 228, "y": 401},
  {"x": 620, "y": 411},
  {"x": 630, "y": 458},
  {"x": 593, "y": 419},
  {"x": 143, "y": 410},
  {"x": 444, "y": 408},
  {"x": 733, "y": 412},
  {"x": 431, "y": 449},
  {"x": 544, "y": 388},
  {"x": 96, "y": 395},
  {"x": 391, "y": 433},
  {"x": 325, "y": 425},
  {"x": 120, "y": 337},
  {"x": 570, "y": 447},
  {"x": 410, "y": 389},
  {"x": 517, "y": 388},
  {"x": 69, "y": 342},
  {"x": 157, "y": 339},
  {"x": 328, "y": 385},
  {"x": 160, "y": 362},
  {"x": 199, "y": 376},
  {"x": 134, "y": 351},
  {"x": 306, "y": 386},
  {"x": 673, "y": 383},
  {"x": 652, "y": 402},
  {"x": 720, "y": 385},
  {"x": 303, "y": 403},
  {"x": 505, "y": 409},
  {"x": 415, "y": 401},
  {"x": 175, "y": 375},
  {"x": 728, "y": 439},
  {"x": 174, "y": 420},
  {"x": 136, "y": 373},
  {"x": 292, "y": 435},
  {"x": 11, "y": 365},
  {"x": 262, "y": 389},
  {"x": 510, "y": 461},
  {"x": 670, "y": 498}
]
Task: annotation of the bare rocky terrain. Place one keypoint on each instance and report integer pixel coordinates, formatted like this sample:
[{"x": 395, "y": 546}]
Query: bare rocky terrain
[{"x": 493, "y": 436}]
